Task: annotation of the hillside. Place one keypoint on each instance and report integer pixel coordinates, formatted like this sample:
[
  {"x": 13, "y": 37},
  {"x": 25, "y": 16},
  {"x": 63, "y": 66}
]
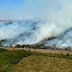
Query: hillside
[
  {"x": 43, "y": 64},
  {"x": 10, "y": 58},
  {"x": 35, "y": 61}
]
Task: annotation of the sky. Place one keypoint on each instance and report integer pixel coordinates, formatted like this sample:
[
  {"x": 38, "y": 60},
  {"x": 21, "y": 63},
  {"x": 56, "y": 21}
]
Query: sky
[
  {"x": 11, "y": 9},
  {"x": 37, "y": 8},
  {"x": 21, "y": 9}
]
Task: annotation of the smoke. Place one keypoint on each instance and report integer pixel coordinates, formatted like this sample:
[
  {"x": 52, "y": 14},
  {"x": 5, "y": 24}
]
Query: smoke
[{"x": 53, "y": 23}]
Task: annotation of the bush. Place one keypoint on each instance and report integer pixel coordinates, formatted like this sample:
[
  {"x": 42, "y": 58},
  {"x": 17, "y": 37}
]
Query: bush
[
  {"x": 10, "y": 58},
  {"x": 61, "y": 55},
  {"x": 15, "y": 56},
  {"x": 2, "y": 50}
]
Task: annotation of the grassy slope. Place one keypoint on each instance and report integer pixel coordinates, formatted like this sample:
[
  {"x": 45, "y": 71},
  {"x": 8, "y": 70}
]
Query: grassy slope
[
  {"x": 43, "y": 64},
  {"x": 26, "y": 61},
  {"x": 9, "y": 58}
]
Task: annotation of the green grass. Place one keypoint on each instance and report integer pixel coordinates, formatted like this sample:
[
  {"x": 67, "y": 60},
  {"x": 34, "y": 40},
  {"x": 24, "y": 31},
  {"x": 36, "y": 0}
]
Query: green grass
[
  {"x": 9, "y": 58},
  {"x": 2, "y": 50},
  {"x": 27, "y": 61}
]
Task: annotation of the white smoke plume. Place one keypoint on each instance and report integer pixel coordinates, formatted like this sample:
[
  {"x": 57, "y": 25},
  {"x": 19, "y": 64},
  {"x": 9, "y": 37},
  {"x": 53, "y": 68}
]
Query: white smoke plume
[{"x": 54, "y": 23}]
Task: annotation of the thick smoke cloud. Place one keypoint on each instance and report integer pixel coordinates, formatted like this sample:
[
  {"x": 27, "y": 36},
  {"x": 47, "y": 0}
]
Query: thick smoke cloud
[{"x": 54, "y": 23}]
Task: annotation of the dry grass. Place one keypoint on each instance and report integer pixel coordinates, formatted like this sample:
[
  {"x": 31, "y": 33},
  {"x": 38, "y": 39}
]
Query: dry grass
[
  {"x": 42, "y": 50},
  {"x": 43, "y": 64}
]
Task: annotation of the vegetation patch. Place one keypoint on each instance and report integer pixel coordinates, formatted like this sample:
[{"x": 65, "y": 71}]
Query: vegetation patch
[
  {"x": 11, "y": 59},
  {"x": 43, "y": 64},
  {"x": 2, "y": 50}
]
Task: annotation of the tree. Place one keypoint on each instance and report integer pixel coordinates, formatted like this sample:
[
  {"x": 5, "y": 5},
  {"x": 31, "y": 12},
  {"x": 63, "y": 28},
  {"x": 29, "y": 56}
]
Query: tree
[{"x": 1, "y": 42}]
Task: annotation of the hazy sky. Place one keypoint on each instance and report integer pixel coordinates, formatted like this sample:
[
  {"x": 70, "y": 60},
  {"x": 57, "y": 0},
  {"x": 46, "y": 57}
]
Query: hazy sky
[
  {"x": 11, "y": 9},
  {"x": 20, "y": 9},
  {"x": 37, "y": 8}
]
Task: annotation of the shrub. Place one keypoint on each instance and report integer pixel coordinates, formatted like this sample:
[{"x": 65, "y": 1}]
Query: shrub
[
  {"x": 2, "y": 50},
  {"x": 10, "y": 58}
]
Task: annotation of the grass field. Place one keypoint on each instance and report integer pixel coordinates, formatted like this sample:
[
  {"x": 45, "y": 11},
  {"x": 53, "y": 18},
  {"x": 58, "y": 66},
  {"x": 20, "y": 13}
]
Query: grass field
[
  {"x": 43, "y": 64},
  {"x": 10, "y": 58},
  {"x": 42, "y": 50},
  {"x": 34, "y": 61}
]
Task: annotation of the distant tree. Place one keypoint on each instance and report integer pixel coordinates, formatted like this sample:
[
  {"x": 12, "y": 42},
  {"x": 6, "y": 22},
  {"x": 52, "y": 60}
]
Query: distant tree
[
  {"x": 18, "y": 46},
  {"x": 68, "y": 49},
  {"x": 1, "y": 42}
]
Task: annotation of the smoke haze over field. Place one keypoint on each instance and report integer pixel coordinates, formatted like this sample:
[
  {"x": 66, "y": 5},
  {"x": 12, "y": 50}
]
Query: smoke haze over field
[{"x": 55, "y": 21}]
